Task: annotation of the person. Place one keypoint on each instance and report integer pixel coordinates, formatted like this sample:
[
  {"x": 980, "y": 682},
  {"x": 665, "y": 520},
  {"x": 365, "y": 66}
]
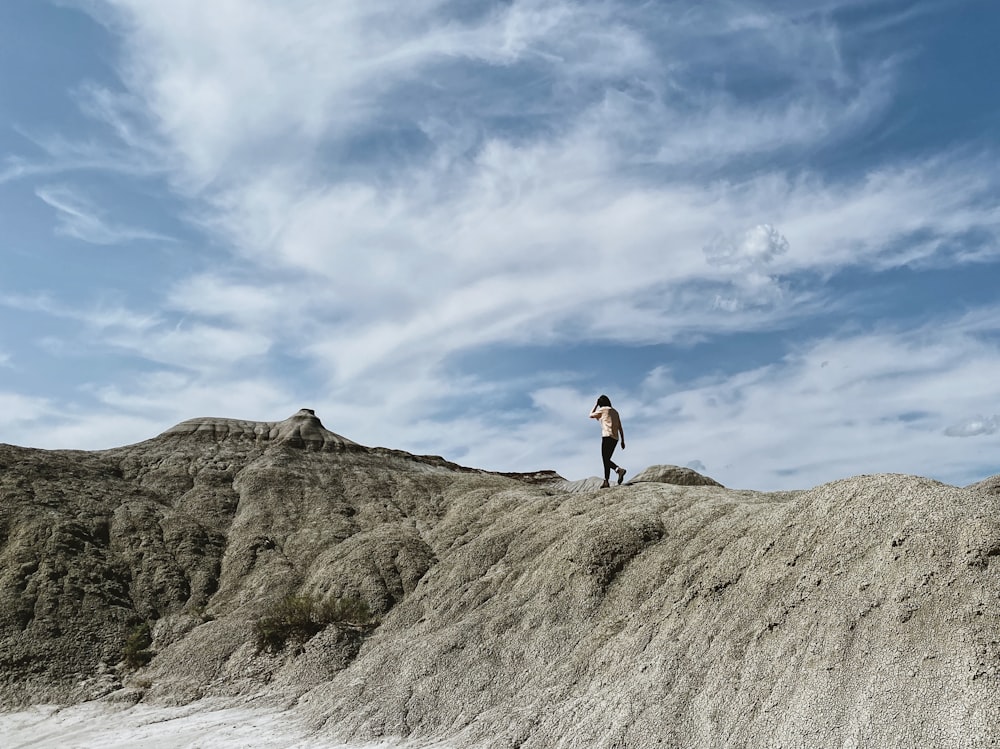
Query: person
[{"x": 611, "y": 431}]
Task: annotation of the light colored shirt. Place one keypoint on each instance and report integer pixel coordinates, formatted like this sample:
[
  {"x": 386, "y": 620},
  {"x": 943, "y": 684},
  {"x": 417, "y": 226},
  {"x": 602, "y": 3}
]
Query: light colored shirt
[{"x": 611, "y": 423}]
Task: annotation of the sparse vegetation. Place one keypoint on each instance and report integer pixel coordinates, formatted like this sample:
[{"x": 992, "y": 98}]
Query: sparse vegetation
[
  {"x": 136, "y": 652},
  {"x": 298, "y": 618}
]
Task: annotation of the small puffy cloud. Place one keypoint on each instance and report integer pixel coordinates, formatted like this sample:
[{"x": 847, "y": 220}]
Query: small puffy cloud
[
  {"x": 974, "y": 427},
  {"x": 756, "y": 248},
  {"x": 696, "y": 465},
  {"x": 744, "y": 262}
]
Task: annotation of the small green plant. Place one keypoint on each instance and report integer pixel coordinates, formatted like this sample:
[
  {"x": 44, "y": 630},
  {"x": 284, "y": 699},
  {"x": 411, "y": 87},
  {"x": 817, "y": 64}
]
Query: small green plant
[
  {"x": 350, "y": 611},
  {"x": 300, "y": 617},
  {"x": 136, "y": 652}
]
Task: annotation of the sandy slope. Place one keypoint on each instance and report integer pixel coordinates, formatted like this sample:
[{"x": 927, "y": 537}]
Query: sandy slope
[{"x": 201, "y": 725}]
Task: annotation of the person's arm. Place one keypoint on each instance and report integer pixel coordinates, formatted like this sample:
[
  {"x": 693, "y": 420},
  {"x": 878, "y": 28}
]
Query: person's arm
[
  {"x": 594, "y": 413},
  {"x": 621, "y": 429}
]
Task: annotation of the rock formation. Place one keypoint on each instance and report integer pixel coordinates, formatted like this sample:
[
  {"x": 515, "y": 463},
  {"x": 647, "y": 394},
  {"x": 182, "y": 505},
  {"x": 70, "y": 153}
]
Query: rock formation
[{"x": 508, "y": 610}]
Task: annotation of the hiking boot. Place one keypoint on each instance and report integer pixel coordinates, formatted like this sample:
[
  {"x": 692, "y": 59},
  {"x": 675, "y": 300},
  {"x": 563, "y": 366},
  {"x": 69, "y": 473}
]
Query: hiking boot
[
  {"x": 621, "y": 474},
  {"x": 605, "y": 485}
]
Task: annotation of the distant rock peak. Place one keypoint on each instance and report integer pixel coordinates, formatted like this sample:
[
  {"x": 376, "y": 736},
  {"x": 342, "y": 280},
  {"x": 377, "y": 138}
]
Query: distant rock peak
[{"x": 302, "y": 429}]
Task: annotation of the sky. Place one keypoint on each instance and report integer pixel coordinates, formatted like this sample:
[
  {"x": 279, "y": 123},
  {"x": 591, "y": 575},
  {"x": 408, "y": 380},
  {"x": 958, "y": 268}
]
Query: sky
[{"x": 769, "y": 231}]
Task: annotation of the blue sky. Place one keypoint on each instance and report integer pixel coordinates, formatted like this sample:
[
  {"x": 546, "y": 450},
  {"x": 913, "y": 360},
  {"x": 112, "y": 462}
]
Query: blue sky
[{"x": 768, "y": 230}]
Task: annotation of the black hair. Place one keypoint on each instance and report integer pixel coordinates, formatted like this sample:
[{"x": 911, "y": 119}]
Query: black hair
[{"x": 604, "y": 401}]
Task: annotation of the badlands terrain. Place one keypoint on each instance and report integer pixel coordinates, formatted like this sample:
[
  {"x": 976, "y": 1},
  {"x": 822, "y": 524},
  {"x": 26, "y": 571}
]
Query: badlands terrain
[{"x": 448, "y": 606}]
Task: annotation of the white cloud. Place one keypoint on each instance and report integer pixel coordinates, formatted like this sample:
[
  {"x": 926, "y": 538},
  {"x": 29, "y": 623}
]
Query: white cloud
[
  {"x": 195, "y": 346},
  {"x": 941, "y": 198},
  {"x": 15, "y": 168},
  {"x": 514, "y": 257},
  {"x": 99, "y": 316},
  {"x": 726, "y": 130},
  {"x": 747, "y": 260},
  {"x": 79, "y": 219},
  {"x": 222, "y": 80},
  {"x": 974, "y": 426},
  {"x": 19, "y": 409},
  {"x": 230, "y": 91},
  {"x": 91, "y": 430},
  {"x": 557, "y": 208},
  {"x": 256, "y": 303},
  {"x": 173, "y": 396},
  {"x": 840, "y": 406},
  {"x": 139, "y": 407},
  {"x": 837, "y": 407},
  {"x": 754, "y": 250},
  {"x": 60, "y": 155}
]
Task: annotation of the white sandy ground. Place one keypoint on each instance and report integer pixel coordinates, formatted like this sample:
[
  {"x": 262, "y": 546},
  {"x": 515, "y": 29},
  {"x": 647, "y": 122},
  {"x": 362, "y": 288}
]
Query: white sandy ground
[{"x": 201, "y": 725}]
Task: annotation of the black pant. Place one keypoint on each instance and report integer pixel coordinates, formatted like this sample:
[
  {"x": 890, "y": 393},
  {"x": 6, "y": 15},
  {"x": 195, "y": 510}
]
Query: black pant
[{"x": 608, "y": 445}]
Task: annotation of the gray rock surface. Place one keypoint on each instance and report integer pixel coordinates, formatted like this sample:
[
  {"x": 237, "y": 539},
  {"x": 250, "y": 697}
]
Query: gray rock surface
[
  {"x": 514, "y": 610},
  {"x": 668, "y": 474}
]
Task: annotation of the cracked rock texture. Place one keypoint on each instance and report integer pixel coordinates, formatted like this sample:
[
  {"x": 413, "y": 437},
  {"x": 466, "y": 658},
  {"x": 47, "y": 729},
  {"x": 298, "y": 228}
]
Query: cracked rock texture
[{"x": 513, "y": 610}]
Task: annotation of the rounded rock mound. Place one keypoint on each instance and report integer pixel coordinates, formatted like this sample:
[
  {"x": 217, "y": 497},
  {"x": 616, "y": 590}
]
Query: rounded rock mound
[
  {"x": 657, "y": 474},
  {"x": 989, "y": 485},
  {"x": 302, "y": 429},
  {"x": 668, "y": 474}
]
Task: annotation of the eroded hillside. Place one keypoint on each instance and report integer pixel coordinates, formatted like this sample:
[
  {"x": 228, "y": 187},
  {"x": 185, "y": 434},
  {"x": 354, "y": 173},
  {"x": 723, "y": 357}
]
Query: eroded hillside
[{"x": 517, "y": 610}]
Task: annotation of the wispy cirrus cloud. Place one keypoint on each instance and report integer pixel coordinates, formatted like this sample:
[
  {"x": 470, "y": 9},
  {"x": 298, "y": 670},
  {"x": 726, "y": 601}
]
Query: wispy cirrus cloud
[
  {"x": 127, "y": 148},
  {"x": 217, "y": 87},
  {"x": 481, "y": 235},
  {"x": 161, "y": 338},
  {"x": 80, "y": 219}
]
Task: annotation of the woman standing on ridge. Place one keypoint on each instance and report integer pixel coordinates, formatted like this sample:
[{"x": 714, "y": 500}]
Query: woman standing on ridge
[{"x": 611, "y": 431}]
